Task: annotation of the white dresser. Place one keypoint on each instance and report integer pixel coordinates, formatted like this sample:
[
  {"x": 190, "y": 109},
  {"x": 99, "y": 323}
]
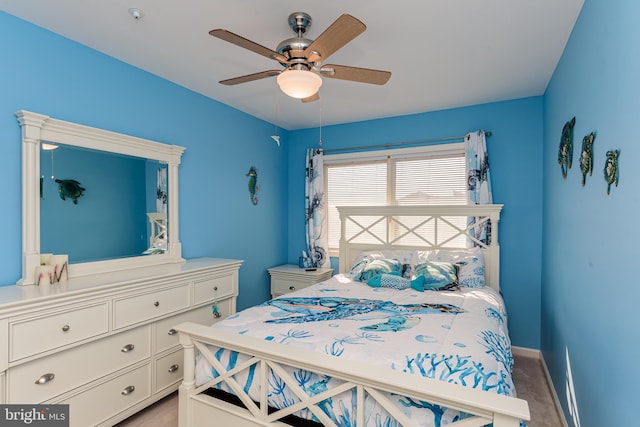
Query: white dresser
[{"x": 105, "y": 344}]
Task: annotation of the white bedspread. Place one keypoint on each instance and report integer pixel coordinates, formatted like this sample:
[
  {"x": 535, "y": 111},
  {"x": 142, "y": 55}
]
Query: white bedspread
[{"x": 459, "y": 337}]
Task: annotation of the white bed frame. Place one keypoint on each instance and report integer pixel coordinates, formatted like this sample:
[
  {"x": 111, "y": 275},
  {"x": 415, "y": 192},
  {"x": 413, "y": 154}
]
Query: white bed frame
[{"x": 432, "y": 227}]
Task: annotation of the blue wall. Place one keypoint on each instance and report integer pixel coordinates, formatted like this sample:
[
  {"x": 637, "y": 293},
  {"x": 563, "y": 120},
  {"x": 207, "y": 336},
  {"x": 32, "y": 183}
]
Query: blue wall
[
  {"x": 45, "y": 73},
  {"x": 589, "y": 290},
  {"x": 515, "y": 152}
]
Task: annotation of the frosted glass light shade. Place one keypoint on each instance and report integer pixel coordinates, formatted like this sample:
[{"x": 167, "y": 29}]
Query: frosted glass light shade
[{"x": 299, "y": 83}]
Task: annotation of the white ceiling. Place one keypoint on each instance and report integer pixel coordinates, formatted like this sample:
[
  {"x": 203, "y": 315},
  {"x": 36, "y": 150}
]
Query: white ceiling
[{"x": 442, "y": 53}]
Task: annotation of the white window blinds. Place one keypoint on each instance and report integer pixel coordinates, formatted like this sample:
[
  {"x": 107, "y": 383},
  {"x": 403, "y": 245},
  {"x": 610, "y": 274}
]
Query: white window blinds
[{"x": 427, "y": 176}]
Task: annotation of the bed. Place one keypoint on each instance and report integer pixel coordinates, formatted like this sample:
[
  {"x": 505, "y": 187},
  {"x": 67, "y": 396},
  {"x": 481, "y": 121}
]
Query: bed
[{"x": 369, "y": 347}]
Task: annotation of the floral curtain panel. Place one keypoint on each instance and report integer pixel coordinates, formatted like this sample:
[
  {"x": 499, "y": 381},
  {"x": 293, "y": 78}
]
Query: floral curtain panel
[
  {"x": 161, "y": 191},
  {"x": 316, "y": 222},
  {"x": 478, "y": 183}
]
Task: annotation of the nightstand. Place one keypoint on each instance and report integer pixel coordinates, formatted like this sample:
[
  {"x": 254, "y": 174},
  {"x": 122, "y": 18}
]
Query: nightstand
[{"x": 289, "y": 277}]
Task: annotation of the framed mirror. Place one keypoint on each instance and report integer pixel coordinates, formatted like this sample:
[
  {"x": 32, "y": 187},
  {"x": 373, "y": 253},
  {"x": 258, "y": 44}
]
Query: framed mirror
[{"x": 129, "y": 221}]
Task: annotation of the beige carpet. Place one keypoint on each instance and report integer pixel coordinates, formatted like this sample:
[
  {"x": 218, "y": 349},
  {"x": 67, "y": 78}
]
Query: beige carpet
[
  {"x": 532, "y": 385},
  {"x": 528, "y": 374}
]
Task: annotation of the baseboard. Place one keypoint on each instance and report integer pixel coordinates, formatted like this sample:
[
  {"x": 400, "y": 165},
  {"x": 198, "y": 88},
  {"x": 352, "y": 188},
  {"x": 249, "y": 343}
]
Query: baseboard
[
  {"x": 526, "y": 352},
  {"x": 537, "y": 354}
]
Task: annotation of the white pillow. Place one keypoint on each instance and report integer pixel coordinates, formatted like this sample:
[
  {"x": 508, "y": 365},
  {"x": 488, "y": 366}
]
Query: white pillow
[{"x": 470, "y": 262}]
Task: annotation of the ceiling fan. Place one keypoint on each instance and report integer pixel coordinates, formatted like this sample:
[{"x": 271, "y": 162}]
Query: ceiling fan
[{"x": 302, "y": 58}]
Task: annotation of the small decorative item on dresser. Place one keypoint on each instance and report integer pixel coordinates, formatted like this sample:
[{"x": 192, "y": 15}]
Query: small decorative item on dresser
[
  {"x": 586, "y": 156},
  {"x": 565, "y": 151},
  {"x": 60, "y": 265},
  {"x": 611, "y": 171},
  {"x": 52, "y": 269},
  {"x": 304, "y": 261},
  {"x": 45, "y": 275}
]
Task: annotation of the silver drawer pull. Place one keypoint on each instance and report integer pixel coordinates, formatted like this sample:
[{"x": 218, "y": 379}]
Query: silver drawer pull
[
  {"x": 157, "y": 303},
  {"x": 172, "y": 332},
  {"x": 128, "y": 390},
  {"x": 127, "y": 348},
  {"x": 215, "y": 288},
  {"x": 217, "y": 314},
  {"x": 173, "y": 368},
  {"x": 292, "y": 288},
  {"x": 45, "y": 378},
  {"x": 66, "y": 328}
]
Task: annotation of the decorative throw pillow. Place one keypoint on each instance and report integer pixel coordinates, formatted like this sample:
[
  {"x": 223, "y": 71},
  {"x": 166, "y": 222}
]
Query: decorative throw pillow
[
  {"x": 437, "y": 275},
  {"x": 365, "y": 257},
  {"x": 470, "y": 264},
  {"x": 396, "y": 281},
  {"x": 377, "y": 267}
]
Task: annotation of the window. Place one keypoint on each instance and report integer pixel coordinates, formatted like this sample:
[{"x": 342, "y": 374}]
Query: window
[{"x": 432, "y": 175}]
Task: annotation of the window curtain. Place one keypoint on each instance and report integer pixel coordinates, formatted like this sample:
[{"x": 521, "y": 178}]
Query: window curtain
[
  {"x": 315, "y": 199},
  {"x": 161, "y": 191},
  {"x": 478, "y": 184}
]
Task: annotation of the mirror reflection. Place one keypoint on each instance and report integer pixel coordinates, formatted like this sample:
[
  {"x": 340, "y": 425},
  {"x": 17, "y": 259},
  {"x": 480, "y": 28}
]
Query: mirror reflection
[{"x": 97, "y": 205}]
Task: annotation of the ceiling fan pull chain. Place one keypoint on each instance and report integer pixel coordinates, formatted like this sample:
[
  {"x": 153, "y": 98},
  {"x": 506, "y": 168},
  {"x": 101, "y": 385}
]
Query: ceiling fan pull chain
[{"x": 320, "y": 142}]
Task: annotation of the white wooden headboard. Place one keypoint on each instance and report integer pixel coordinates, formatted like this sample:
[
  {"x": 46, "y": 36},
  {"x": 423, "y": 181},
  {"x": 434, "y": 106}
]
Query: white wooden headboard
[{"x": 417, "y": 228}]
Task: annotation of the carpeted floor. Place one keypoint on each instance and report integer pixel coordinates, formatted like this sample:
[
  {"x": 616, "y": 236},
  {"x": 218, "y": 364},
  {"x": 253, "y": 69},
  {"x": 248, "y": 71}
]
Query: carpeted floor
[
  {"x": 531, "y": 385},
  {"x": 528, "y": 374}
]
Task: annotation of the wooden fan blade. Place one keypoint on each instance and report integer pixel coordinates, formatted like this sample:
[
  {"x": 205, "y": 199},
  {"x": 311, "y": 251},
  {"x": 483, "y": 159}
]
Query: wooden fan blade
[
  {"x": 250, "y": 77},
  {"x": 363, "y": 75},
  {"x": 312, "y": 98},
  {"x": 341, "y": 32},
  {"x": 230, "y": 37}
]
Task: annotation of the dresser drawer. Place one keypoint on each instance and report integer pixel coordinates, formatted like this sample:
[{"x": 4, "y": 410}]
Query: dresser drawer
[
  {"x": 110, "y": 398},
  {"x": 284, "y": 286},
  {"x": 213, "y": 288},
  {"x": 167, "y": 337},
  {"x": 169, "y": 370},
  {"x": 129, "y": 311},
  {"x": 36, "y": 335},
  {"x": 48, "y": 377}
]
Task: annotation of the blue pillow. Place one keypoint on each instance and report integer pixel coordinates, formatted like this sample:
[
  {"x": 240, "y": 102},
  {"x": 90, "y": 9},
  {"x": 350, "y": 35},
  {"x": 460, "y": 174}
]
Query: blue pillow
[
  {"x": 395, "y": 281},
  {"x": 377, "y": 267},
  {"x": 437, "y": 275}
]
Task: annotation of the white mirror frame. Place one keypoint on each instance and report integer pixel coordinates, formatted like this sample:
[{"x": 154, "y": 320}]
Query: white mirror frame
[{"x": 37, "y": 128}]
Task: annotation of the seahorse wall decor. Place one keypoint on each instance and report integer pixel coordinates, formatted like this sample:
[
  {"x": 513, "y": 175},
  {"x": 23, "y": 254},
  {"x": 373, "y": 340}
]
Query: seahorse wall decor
[
  {"x": 586, "y": 156},
  {"x": 565, "y": 151},
  {"x": 253, "y": 184},
  {"x": 611, "y": 171}
]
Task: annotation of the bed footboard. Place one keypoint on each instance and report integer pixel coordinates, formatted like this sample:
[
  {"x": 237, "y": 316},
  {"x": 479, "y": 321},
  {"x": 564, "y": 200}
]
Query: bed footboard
[{"x": 196, "y": 408}]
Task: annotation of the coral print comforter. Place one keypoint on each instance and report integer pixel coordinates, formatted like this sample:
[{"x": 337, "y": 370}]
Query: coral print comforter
[{"x": 455, "y": 336}]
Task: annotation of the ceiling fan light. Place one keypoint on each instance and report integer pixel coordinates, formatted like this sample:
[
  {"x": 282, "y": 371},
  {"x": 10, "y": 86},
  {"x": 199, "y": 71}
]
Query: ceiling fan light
[
  {"x": 48, "y": 147},
  {"x": 299, "y": 83}
]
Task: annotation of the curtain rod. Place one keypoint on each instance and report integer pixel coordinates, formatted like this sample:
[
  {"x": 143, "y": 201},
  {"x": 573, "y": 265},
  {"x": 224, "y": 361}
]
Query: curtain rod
[{"x": 397, "y": 144}]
